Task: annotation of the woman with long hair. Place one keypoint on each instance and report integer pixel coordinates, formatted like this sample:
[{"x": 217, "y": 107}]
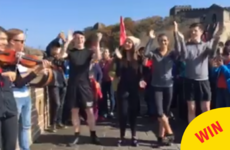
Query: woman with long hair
[
  {"x": 128, "y": 70},
  {"x": 16, "y": 42},
  {"x": 9, "y": 110},
  {"x": 162, "y": 83}
]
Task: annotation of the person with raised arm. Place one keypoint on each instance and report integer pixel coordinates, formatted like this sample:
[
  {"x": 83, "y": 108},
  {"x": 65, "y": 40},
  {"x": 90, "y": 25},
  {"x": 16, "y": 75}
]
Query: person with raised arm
[
  {"x": 129, "y": 72},
  {"x": 57, "y": 87},
  {"x": 162, "y": 83},
  {"x": 196, "y": 53},
  {"x": 79, "y": 91}
]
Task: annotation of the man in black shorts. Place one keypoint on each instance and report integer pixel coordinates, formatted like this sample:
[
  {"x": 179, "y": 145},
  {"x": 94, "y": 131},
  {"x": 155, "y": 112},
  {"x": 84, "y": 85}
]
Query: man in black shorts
[
  {"x": 196, "y": 55},
  {"x": 79, "y": 90}
]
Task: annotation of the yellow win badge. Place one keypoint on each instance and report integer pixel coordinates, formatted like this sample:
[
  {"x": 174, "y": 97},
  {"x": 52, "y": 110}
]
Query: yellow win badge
[{"x": 208, "y": 131}]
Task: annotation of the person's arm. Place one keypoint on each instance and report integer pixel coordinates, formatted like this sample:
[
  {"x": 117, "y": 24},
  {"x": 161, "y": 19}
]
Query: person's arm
[
  {"x": 99, "y": 73},
  {"x": 177, "y": 44},
  {"x": 225, "y": 69},
  {"x": 211, "y": 46},
  {"x": 180, "y": 45},
  {"x": 97, "y": 48},
  {"x": 22, "y": 81},
  {"x": 63, "y": 53},
  {"x": 148, "y": 48}
]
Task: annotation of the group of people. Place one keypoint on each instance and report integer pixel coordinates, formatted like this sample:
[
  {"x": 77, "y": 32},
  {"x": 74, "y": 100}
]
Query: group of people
[{"x": 89, "y": 84}]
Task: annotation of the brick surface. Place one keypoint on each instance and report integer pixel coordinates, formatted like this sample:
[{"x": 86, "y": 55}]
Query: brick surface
[{"x": 109, "y": 133}]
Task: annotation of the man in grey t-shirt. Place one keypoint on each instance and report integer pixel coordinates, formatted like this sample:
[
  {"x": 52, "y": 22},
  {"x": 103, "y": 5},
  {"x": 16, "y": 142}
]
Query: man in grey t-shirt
[{"x": 196, "y": 55}]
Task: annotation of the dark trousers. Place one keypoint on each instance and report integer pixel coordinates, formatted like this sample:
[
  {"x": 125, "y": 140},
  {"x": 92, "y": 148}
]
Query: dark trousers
[
  {"x": 108, "y": 94},
  {"x": 222, "y": 98},
  {"x": 149, "y": 101},
  {"x": 179, "y": 100},
  {"x": 128, "y": 101},
  {"x": 57, "y": 100},
  {"x": 9, "y": 130}
]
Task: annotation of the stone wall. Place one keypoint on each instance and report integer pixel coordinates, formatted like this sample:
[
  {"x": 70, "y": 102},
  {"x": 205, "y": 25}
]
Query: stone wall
[{"x": 40, "y": 112}]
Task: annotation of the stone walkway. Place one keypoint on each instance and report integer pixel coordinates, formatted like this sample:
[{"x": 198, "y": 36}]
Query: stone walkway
[{"x": 108, "y": 132}]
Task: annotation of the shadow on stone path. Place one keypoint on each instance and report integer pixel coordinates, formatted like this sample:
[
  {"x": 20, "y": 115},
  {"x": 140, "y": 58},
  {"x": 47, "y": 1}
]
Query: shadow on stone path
[{"x": 109, "y": 133}]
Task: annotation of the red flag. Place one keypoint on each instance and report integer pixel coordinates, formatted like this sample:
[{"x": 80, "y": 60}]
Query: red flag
[{"x": 122, "y": 31}]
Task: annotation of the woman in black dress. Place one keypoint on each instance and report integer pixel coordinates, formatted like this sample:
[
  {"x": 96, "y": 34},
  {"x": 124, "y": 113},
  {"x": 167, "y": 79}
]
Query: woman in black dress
[
  {"x": 128, "y": 69},
  {"x": 79, "y": 90}
]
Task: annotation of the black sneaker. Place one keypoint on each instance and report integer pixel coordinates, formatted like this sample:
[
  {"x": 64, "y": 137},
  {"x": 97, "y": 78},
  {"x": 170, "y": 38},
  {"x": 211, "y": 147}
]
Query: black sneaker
[
  {"x": 134, "y": 142},
  {"x": 75, "y": 141},
  {"x": 111, "y": 115},
  {"x": 121, "y": 142},
  {"x": 169, "y": 139},
  {"x": 160, "y": 141},
  {"x": 95, "y": 140}
]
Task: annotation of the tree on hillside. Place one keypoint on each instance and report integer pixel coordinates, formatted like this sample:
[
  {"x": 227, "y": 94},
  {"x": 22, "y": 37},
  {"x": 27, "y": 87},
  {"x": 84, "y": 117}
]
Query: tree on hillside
[{"x": 139, "y": 29}]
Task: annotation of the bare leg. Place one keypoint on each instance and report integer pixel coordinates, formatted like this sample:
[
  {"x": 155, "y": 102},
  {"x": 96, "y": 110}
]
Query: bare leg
[
  {"x": 90, "y": 119},
  {"x": 191, "y": 110},
  {"x": 165, "y": 124},
  {"x": 92, "y": 125},
  {"x": 75, "y": 119},
  {"x": 205, "y": 106},
  {"x": 76, "y": 124},
  {"x": 161, "y": 130}
]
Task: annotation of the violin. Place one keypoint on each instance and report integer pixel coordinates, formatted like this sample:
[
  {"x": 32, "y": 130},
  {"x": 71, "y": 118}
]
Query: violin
[{"x": 9, "y": 57}]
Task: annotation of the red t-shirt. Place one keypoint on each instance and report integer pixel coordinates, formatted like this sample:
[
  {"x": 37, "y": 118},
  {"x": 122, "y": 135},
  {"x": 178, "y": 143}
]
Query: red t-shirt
[{"x": 221, "y": 82}]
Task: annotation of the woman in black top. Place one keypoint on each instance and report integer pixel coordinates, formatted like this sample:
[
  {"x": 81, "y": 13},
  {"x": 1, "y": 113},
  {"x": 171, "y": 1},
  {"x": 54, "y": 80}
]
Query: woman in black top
[
  {"x": 128, "y": 69},
  {"x": 79, "y": 90},
  {"x": 8, "y": 107}
]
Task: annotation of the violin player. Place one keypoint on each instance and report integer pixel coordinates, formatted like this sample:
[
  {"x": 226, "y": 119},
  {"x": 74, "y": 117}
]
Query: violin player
[
  {"x": 8, "y": 110},
  {"x": 57, "y": 88},
  {"x": 18, "y": 103}
]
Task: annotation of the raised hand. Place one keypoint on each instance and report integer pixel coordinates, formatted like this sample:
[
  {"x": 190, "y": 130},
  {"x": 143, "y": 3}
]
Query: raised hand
[
  {"x": 70, "y": 36},
  {"x": 118, "y": 53},
  {"x": 151, "y": 34},
  {"x": 175, "y": 26},
  {"x": 99, "y": 36},
  {"x": 213, "y": 62},
  {"x": 219, "y": 62},
  {"x": 61, "y": 35}
]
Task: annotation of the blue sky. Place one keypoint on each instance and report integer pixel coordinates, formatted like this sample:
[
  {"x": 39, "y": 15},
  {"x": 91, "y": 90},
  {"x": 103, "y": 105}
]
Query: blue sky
[{"x": 44, "y": 19}]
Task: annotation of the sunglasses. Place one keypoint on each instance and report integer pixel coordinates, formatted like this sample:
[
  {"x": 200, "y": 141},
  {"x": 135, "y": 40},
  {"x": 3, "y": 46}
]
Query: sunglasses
[{"x": 19, "y": 41}]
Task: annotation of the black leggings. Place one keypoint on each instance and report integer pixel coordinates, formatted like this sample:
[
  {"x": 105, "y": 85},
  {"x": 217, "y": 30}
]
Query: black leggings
[
  {"x": 128, "y": 105},
  {"x": 9, "y": 130},
  {"x": 162, "y": 98}
]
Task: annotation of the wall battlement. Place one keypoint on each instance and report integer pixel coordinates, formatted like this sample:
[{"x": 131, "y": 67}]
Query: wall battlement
[{"x": 181, "y": 9}]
